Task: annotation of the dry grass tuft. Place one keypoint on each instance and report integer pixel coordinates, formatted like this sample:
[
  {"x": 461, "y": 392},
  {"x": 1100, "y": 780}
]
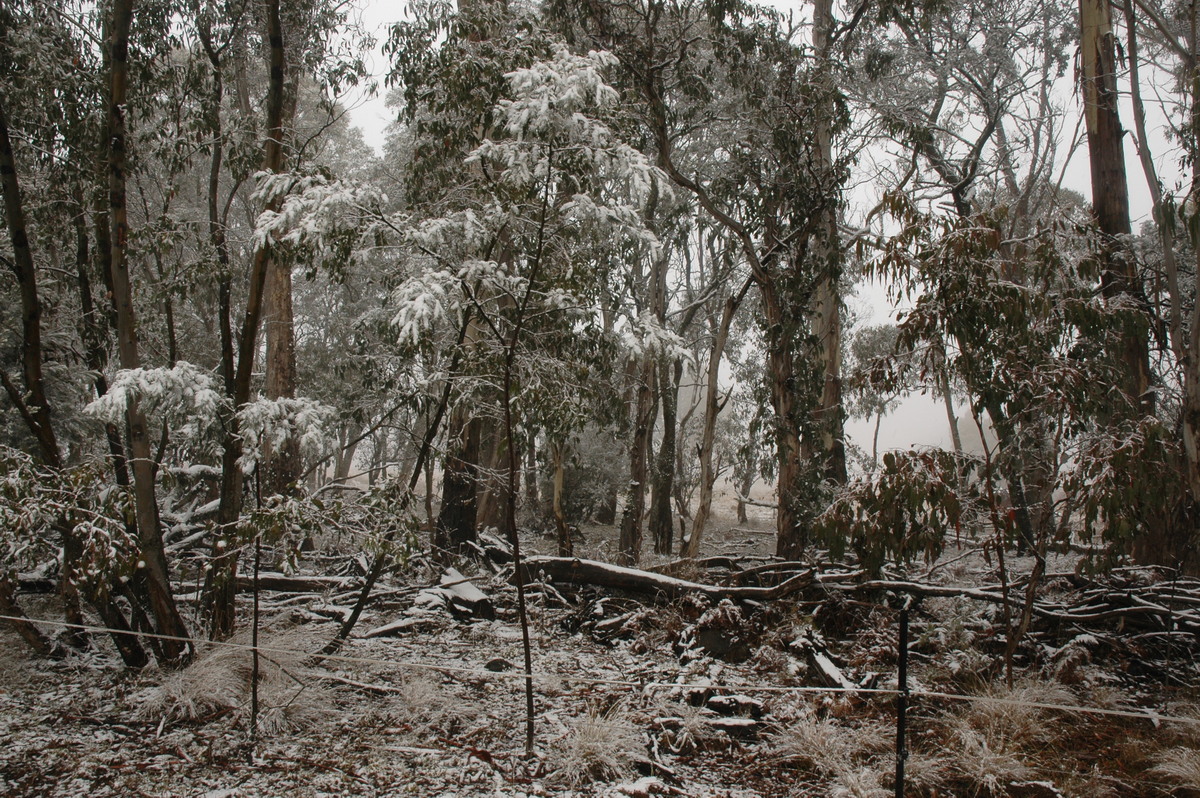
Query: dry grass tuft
[
  {"x": 994, "y": 739},
  {"x": 217, "y": 683},
  {"x": 1180, "y": 766},
  {"x": 853, "y": 760},
  {"x": 600, "y": 746},
  {"x": 426, "y": 708}
]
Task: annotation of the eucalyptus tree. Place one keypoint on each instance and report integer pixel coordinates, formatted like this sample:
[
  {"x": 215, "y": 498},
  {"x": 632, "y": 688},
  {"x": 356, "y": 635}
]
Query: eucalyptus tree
[
  {"x": 969, "y": 92},
  {"x": 1163, "y": 42},
  {"x": 1110, "y": 190},
  {"x": 83, "y": 157},
  {"x": 733, "y": 107}
]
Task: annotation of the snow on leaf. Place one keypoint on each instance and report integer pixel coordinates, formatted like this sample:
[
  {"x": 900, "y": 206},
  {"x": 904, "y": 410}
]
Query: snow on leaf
[{"x": 274, "y": 422}]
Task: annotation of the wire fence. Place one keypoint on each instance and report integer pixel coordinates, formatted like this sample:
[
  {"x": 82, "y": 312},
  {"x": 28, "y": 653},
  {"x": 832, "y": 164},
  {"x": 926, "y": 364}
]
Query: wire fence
[{"x": 1146, "y": 714}]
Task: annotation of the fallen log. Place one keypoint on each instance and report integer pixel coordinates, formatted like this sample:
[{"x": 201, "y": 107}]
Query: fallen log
[
  {"x": 463, "y": 594},
  {"x": 600, "y": 574},
  {"x": 282, "y": 583}
]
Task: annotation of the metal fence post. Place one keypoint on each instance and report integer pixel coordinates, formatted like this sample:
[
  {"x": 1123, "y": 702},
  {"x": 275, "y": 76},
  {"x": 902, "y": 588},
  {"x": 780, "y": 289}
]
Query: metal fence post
[{"x": 902, "y": 699}]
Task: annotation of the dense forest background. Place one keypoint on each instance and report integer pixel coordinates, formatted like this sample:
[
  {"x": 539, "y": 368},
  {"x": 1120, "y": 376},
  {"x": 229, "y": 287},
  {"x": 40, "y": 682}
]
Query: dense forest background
[{"x": 599, "y": 271}]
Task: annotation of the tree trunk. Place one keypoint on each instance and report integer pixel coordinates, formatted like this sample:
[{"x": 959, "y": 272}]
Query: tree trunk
[
  {"x": 825, "y": 251},
  {"x": 661, "y": 522},
  {"x": 344, "y": 457},
  {"x": 41, "y": 645},
  {"x": 456, "y": 525},
  {"x": 791, "y": 535},
  {"x": 281, "y": 466},
  {"x": 1110, "y": 193},
  {"x": 220, "y": 584},
  {"x": 493, "y": 478},
  {"x": 629, "y": 545},
  {"x": 948, "y": 400},
  {"x": 532, "y": 499},
  {"x": 157, "y": 578},
  {"x": 33, "y": 405},
  {"x": 712, "y": 408},
  {"x": 565, "y": 546}
]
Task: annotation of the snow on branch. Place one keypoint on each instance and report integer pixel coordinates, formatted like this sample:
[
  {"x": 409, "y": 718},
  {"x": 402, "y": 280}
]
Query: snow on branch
[
  {"x": 183, "y": 395},
  {"x": 315, "y": 210},
  {"x": 645, "y": 336},
  {"x": 273, "y": 422}
]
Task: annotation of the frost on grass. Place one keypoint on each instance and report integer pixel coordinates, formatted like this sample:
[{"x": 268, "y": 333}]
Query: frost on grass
[
  {"x": 852, "y": 760},
  {"x": 993, "y": 740},
  {"x": 600, "y": 746},
  {"x": 1179, "y": 766},
  {"x": 217, "y": 683},
  {"x": 427, "y": 709}
]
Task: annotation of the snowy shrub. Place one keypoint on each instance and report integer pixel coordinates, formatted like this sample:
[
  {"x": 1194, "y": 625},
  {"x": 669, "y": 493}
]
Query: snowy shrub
[
  {"x": 316, "y": 212},
  {"x": 903, "y": 511},
  {"x": 37, "y": 506}
]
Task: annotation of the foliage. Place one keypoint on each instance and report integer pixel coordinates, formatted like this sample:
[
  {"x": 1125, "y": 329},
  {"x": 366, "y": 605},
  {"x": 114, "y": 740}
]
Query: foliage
[
  {"x": 903, "y": 511},
  {"x": 37, "y": 506}
]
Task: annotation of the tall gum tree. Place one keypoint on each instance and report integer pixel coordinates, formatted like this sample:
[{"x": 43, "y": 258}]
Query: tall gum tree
[
  {"x": 772, "y": 193},
  {"x": 1110, "y": 190}
]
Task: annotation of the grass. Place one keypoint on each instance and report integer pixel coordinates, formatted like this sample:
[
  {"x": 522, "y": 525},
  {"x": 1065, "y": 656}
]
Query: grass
[
  {"x": 217, "y": 682},
  {"x": 599, "y": 746}
]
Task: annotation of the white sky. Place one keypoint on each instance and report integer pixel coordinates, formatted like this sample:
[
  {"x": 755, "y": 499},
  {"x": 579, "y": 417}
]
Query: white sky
[{"x": 919, "y": 420}]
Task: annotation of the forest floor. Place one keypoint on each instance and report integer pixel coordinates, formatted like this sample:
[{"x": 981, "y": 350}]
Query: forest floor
[{"x": 633, "y": 697}]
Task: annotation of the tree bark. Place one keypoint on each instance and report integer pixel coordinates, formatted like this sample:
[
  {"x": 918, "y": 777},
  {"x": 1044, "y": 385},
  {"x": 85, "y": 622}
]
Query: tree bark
[
  {"x": 530, "y": 475},
  {"x": 662, "y": 486},
  {"x": 629, "y": 544},
  {"x": 493, "y": 477},
  {"x": 281, "y": 466},
  {"x": 565, "y": 546},
  {"x": 456, "y": 525},
  {"x": 712, "y": 408},
  {"x": 825, "y": 250},
  {"x": 34, "y": 407}
]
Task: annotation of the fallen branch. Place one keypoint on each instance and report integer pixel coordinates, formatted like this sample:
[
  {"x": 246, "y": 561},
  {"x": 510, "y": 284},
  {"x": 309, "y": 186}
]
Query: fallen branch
[
  {"x": 591, "y": 572},
  {"x": 282, "y": 583}
]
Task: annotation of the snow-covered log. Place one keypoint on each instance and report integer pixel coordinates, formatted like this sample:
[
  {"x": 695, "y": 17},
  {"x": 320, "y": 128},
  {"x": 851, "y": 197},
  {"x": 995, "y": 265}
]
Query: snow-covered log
[
  {"x": 591, "y": 572},
  {"x": 283, "y": 583}
]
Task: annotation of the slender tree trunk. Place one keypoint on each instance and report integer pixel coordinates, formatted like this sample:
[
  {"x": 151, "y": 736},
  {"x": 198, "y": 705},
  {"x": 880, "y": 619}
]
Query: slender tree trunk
[
  {"x": 34, "y": 406},
  {"x": 220, "y": 584},
  {"x": 282, "y": 466},
  {"x": 565, "y": 546},
  {"x": 493, "y": 477},
  {"x": 712, "y": 408},
  {"x": 951, "y": 419},
  {"x": 344, "y": 460},
  {"x": 532, "y": 499},
  {"x": 156, "y": 575},
  {"x": 629, "y": 545},
  {"x": 33, "y": 637},
  {"x": 791, "y": 534},
  {"x": 661, "y": 522}
]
